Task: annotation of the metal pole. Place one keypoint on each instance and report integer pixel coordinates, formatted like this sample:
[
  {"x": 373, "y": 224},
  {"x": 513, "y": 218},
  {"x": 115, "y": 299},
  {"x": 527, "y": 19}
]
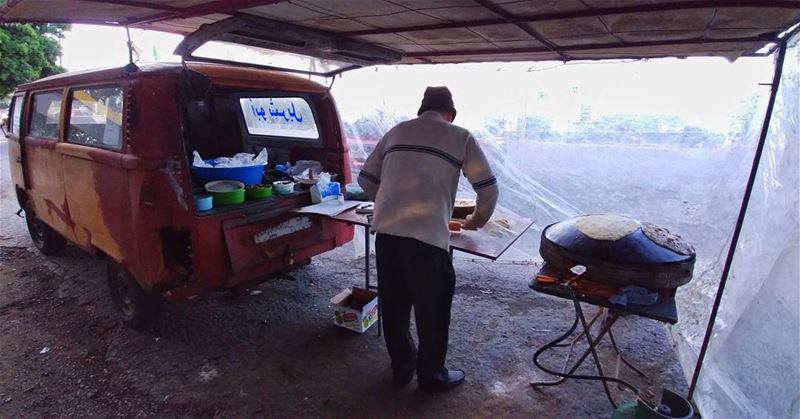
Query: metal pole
[
  {"x": 776, "y": 78},
  {"x": 366, "y": 258}
]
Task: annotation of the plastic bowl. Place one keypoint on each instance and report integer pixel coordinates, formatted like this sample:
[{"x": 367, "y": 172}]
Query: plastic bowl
[
  {"x": 258, "y": 191},
  {"x": 226, "y": 192},
  {"x": 283, "y": 187},
  {"x": 203, "y": 202},
  {"x": 248, "y": 175}
]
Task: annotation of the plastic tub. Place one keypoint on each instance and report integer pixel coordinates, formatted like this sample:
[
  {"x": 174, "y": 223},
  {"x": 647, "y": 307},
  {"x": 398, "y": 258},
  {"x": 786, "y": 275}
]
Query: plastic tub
[
  {"x": 203, "y": 202},
  {"x": 248, "y": 175},
  {"x": 226, "y": 192},
  {"x": 283, "y": 187},
  {"x": 258, "y": 191}
]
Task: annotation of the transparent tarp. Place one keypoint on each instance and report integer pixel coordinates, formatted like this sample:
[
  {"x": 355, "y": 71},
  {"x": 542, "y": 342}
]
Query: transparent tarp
[
  {"x": 666, "y": 141},
  {"x": 752, "y": 366}
]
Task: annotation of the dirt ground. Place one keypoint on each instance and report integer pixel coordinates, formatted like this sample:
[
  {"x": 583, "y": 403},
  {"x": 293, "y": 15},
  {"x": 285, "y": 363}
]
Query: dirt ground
[{"x": 274, "y": 351}]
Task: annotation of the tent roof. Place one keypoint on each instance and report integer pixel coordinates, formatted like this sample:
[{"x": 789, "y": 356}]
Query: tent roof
[{"x": 444, "y": 31}]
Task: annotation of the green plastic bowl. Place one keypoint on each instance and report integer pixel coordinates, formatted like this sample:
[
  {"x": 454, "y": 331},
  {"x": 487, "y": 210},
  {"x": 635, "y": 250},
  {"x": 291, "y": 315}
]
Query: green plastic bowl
[
  {"x": 258, "y": 191},
  {"x": 226, "y": 192}
]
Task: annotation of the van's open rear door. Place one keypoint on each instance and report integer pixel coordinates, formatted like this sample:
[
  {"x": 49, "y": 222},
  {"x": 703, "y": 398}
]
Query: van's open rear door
[{"x": 334, "y": 54}]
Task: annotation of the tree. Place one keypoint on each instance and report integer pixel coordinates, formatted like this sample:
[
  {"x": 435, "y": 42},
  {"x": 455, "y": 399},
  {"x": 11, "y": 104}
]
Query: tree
[{"x": 28, "y": 52}]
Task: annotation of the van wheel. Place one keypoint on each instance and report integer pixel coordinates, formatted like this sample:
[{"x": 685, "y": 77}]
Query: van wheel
[
  {"x": 137, "y": 306},
  {"x": 47, "y": 240}
]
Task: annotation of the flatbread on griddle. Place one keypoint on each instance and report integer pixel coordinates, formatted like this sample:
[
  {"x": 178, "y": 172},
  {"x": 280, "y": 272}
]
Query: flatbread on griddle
[{"x": 606, "y": 227}]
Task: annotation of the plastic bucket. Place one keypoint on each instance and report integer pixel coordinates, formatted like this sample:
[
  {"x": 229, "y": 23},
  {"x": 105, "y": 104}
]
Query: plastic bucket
[
  {"x": 203, "y": 202},
  {"x": 258, "y": 192},
  {"x": 226, "y": 192},
  {"x": 248, "y": 175}
]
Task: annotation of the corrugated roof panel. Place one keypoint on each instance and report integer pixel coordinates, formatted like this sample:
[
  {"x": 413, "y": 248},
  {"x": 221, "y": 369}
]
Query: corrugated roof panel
[
  {"x": 655, "y": 27},
  {"x": 399, "y": 19},
  {"x": 459, "y": 46},
  {"x": 443, "y": 36},
  {"x": 765, "y": 19},
  {"x": 692, "y": 20},
  {"x": 287, "y": 12},
  {"x": 433, "y": 4},
  {"x": 577, "y": 27},
  {"x": 527, "y": 8},
  {"x": 460, "y": 14},
  {"x": 505, "y": 32},
  {"x": 353, "y": 8},
  {"x": 334, "y": 24}
]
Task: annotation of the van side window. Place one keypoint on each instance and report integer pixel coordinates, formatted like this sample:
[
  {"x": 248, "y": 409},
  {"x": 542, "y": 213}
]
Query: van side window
[
  {"x": 45, "y": 121},
  {"x": 95, "y": 117},
  {"x": 16, "y": 113}
]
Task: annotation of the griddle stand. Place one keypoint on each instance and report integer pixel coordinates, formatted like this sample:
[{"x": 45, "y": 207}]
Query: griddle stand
[{"x": 664, "y": 311}]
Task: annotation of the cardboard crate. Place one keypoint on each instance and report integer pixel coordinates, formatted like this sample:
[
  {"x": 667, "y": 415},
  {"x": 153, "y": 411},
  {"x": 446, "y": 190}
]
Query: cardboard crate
[{"x": 355, "y": 309}]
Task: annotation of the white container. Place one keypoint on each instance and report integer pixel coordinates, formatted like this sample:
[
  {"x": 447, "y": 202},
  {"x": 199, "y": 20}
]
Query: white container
[{"x": 283, "y": 187}]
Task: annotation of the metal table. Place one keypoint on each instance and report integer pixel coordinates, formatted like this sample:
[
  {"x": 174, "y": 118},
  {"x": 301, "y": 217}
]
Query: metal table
[
  {"x": 664, "y": 310},
  {"x": 478, "y": 242}
]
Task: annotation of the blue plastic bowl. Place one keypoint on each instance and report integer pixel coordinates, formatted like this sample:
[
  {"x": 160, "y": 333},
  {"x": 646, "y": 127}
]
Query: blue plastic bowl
[{"x": 248, "y": 175}]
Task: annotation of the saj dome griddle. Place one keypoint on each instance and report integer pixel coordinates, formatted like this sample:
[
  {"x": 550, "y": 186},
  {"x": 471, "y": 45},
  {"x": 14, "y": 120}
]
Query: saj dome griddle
[{"x": 618, "y": 251}]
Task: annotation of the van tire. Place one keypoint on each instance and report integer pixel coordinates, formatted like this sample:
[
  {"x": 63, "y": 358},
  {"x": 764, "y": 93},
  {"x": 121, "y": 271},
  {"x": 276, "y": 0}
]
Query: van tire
[
  {"x": 137, "y": 306},
  {"x": 47, "y": 240}
]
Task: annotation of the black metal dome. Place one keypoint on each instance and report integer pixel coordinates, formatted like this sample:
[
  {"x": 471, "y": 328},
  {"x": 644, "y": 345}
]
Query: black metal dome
[{"x": 634, "y": 254}]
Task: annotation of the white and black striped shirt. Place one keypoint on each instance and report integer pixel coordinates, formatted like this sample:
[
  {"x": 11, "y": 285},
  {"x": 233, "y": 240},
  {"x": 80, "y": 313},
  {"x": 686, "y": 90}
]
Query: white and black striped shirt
[{"x": 412, "y": 175}]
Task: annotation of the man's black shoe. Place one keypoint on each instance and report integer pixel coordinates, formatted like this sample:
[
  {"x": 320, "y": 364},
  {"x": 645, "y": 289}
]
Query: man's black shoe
[
  {"x": 403, "y": 377},
  {"x": 442, "y": 381}
]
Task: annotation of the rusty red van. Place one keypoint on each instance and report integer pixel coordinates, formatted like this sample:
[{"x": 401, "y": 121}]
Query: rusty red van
[{"x": 102, "y": 159}]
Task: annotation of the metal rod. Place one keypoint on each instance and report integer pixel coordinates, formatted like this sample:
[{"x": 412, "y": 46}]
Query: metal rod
[
  {"x": 592, "y": 344},
  {"x": 776, "y": 79},
  {"x": 621, "y": 357},
  {"x": 130, "y": 45},
  {"x": 600, "y": 333},
  {"x": 534, "y": 34}
]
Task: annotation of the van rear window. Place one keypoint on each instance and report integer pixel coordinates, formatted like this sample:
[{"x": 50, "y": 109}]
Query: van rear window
[
  {"x": 46, "y": 117},
  {"x": 95, "y": 117},
  {"x": 287, "y": 117}
]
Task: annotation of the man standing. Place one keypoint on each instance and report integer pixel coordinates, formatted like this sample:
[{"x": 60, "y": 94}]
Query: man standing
[{"x": 412, "y": 175}]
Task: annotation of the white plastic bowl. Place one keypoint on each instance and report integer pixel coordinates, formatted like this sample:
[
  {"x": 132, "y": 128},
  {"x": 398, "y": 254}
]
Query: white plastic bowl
[{"x": 283, "y": 187}]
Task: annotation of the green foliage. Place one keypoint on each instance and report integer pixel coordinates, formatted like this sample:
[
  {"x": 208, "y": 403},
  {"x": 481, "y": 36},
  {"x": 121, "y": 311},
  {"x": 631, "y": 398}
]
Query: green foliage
[{"x": 28, "y": 52}]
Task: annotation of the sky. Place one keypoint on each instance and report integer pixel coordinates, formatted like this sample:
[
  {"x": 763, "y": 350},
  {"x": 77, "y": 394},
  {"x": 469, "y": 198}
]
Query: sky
[{"x": 703, "y": 92}]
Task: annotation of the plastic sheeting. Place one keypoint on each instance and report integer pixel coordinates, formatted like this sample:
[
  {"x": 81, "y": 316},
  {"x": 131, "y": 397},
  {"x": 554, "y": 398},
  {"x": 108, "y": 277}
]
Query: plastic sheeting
[
  {"x": 651, "y": 140},
  {"x": 667, "y": 141},
  {"x": 752, "y": 366}
]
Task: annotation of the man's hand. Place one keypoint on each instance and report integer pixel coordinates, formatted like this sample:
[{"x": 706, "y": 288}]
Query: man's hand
[{"x": 469, "y": 224}]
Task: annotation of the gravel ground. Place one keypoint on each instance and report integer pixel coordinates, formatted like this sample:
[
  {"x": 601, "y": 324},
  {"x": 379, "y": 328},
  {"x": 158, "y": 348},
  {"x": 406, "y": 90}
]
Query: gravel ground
[{"x": 274, "y": 351}]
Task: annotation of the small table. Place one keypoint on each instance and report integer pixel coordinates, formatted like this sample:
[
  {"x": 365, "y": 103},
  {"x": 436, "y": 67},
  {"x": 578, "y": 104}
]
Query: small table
[
  {"x": 664, "y": 310},
  {"x": 478, "y": 242}
]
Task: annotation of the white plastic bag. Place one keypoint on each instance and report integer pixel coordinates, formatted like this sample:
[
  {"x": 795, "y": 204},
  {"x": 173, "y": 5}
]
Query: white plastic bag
[
  {"x": 198, "y": 161},
  {"x": 239, "y": 160}
]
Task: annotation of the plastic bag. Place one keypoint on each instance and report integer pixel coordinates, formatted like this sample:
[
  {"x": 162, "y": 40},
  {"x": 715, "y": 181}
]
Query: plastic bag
[
  {"x": 302, "y": 165},
  {"x": 239, "y": 160},
  {"x": 198, "y": 161}
]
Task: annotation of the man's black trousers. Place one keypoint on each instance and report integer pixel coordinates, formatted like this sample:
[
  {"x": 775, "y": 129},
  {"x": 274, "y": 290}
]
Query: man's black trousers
[{"x": 415, "y": 274}]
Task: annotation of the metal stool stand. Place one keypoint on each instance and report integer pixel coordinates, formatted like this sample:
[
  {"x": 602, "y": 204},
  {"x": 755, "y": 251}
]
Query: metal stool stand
[{"x": 610, "y": 317}]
